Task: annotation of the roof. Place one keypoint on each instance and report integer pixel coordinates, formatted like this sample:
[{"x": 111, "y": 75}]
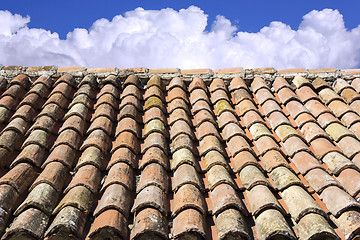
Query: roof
[{"x": 180, "y": 154}]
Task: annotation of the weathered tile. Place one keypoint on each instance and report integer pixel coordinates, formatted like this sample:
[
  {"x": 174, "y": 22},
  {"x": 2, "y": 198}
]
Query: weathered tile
[
  {"x": 224, "y": 196},
  {"x": 43, "y": 197},
  {"x": 198, "y": 106},
  {"x": 265, "y": 144},
  {"x": 70, "y": 221},
  {"x": 188, "y": 196},
  {"x": 258, "y": 130},
  {"x": 132, "y": 79},
  {"x": 339, "y": 204},
  {"x": 349, "y": 223},
  {"x": 197, "y": 83},
  {"x": 181, "y": 127},
  {"x": 337, "y": 162},
  {"x": 88, "y": 176},
  {"x": 128, "y": 124},
  {"x": 155, "y": 126},
  {"x": 232, "y": 130},
  {"x": 109, "y": 223},
  {"x": 237, "y": 83},
  {"x": 217, "y": 84},
  {"x": 258, "y": 83},
  {"x": 350, "y": 180},
  {"x": 241, "y": 94},
  {"x": 213, "y": 158},
  {"x": 19, "y": 177},
  {"x": 251, "y": 176},
  {"x": 31, "y": 223},
  {"x": 179, "y": 114},
  {"x": 295, "y": 108},
  {"x": 231, "y": 223},
  {"x": 120, "y": 173},
  {"x": 203, "y": 116},
  {"x": 273, "y": 159},
  {"x": 300, "y": 203},
  {"x": 285, "y": 132},
  {"x": 130, "y": 111},
  {"x": 261, "y": 198},
  {"x": 154, "y": 91},
  {"x": 153, "y": 174},
  {"x": 62, "y": 153},
  {"x": 186, "y": 174},
  {"x": 315, "y": 226},
  {"x": 263, "y": 94},
  {"x": 150, "y": 197},
  {"x": 156, "y": 113},
  {"x": 197, "y": 95},
  {"x": 245, "y": 106},
  {"x": 131, "y": 90},
  {"x": 177, "y": 93},
  {"x": 176, "y": 82},
  {"x": 218, "y": 175},
  {"x": 127, "y": 139},
  {"x": 188, "y": 223},
  {"x": 54, "y": 174},
  {"x": 277, "y": 119},
  {"x": 226, "y": 118},
  {"x": 271, "y": 224},
  {"x": 319, "y": 179},
  {"x": 117, "y": 197},
  {"x": 97, "y": 138},
  {"x": 78, "y": 197},
  {"x": 92, "y": 156},
  {"x": 295, "y": 144},
  {"x": 205, "y": 129},
  {"x": 33, "y": 154},
  {"x": 284, "y": 178},
  {"x": 154, "y": 81},
  {"x": 219, "y": 95},
  {"x": 270, "y": 107},
  {"x": 209, "y": 143},
  {"x": 149, "y": 222},
  {"x": 244, "y": 158},
  {"x": 154, "y": 154},
  {"x": 251, "y": 118},
  {"x": 312, "y": 131},
  {"x": 155, "y": 139},
  {"x": 182, "y": 141},
  {"x": 182, "y": 156}
]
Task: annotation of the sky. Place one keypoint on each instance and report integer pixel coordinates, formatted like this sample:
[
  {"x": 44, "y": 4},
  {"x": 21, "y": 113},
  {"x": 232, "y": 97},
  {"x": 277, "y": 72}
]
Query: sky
[{"x": 184, "y": 34}]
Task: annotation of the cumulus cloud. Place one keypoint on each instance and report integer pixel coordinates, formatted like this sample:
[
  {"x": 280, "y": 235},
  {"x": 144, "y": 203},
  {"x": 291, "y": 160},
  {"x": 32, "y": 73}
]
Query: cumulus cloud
[{"x": 169, "y": 38}]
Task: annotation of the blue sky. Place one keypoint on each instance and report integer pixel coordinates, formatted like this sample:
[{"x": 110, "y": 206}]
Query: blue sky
[
  {"x": 185, "y": 34},
  {"x": 63, "y": 16}
]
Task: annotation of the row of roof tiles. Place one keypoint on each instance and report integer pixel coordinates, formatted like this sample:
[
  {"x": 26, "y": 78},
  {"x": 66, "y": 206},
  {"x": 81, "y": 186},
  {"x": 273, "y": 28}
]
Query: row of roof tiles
[
  {"x": 169, "y": 73},
  {"x": 189, "y": 161}
]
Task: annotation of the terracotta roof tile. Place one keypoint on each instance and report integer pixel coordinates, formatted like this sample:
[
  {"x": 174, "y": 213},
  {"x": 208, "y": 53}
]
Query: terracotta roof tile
[
  {"x": 271, "y": 223},
  {"x": 103, "y": 156}
]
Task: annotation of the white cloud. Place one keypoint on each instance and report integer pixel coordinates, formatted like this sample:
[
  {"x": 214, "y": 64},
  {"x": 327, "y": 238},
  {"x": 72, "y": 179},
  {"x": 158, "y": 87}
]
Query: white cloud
[{"x": 169, "y": 38}]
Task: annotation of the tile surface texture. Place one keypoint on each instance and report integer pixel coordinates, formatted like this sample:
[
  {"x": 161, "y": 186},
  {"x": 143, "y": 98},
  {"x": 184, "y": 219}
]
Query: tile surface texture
[{"x": 234, "y": 153}]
